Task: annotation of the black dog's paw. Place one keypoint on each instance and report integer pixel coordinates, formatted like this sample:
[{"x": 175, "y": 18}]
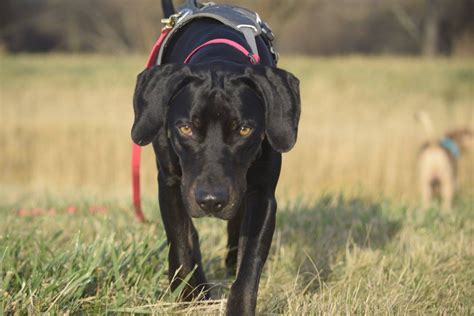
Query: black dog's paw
[
  {"x": 204, "y": 292},
  {"x": 200, "y": 292}
]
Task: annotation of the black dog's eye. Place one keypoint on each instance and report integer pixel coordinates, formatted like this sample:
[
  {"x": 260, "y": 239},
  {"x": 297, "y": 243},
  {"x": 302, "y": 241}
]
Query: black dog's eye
[
  {"x": 186, "y": 130},
  {"x": 245, "y": 131}
]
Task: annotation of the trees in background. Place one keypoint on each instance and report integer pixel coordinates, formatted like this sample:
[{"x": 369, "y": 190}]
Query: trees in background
[
  {"x": 429, "y": 27},
  {"x": 112, "y": 26},
  {"x": 441, "y": 24}
]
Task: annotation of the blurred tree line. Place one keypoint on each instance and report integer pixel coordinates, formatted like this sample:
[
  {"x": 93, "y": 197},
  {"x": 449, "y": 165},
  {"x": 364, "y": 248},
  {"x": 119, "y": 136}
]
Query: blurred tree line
[{"x": 324, "y": 27}]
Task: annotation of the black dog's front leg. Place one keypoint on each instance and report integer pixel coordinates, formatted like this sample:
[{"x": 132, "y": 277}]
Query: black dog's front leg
[
  {"x": 257, "y": 233},
  {"x": 183, "y": 240},
  {"x": 233, "y": 232}
]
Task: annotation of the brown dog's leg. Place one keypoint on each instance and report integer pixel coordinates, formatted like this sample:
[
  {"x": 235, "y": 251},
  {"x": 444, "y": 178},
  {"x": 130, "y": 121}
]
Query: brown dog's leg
[
  {"x": 447, "y": 194},
  {"x": 426, "y": 194},
  {"x": 425, "y": 179}
]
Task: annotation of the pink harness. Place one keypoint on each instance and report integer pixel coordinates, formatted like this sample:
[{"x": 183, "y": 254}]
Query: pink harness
[{"x": 136, "y": 149}]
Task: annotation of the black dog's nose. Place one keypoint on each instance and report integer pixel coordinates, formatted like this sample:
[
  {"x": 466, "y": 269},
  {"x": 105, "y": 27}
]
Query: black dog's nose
[{"x": 211, "y": 200}]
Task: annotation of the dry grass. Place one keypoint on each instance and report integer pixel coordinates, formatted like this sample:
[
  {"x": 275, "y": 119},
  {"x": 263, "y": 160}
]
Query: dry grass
[
  {"x": 65, "y": 122},
  {"x": 358, "y": 129}
]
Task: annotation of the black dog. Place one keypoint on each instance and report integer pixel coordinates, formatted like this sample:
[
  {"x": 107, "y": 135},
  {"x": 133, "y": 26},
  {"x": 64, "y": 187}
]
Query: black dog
[{"x": 218, "y": 126}]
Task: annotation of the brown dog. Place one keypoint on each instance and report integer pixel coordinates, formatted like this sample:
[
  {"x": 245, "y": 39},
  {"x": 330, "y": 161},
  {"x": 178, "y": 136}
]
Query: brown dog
[{"x": 438, "y": 162}]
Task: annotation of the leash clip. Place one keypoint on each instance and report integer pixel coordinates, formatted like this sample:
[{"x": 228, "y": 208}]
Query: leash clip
[{"x": 171, "y": 21}]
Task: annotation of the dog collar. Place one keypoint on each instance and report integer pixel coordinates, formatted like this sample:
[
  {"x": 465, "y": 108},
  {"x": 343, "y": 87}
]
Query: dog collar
[{"x": 450, "y": 145}]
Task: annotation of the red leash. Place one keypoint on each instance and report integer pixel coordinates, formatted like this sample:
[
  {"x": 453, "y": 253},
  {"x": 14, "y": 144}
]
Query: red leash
[{"x": 136, "y": 150}]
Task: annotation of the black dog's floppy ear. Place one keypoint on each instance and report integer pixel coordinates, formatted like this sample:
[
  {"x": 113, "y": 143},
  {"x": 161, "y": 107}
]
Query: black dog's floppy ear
[
  {"x": 154, "y": 89},
  {"x": 281, "y": 95}
]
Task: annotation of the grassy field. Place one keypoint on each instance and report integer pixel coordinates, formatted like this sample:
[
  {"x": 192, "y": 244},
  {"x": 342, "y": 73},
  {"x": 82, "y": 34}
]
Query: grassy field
[
  {"x": 350, "y": 237},
  {"x": 337, "y": 255}
]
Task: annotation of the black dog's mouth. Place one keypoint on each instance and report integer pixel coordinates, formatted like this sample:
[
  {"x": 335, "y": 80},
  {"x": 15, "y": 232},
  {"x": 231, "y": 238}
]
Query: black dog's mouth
[{"x": 226, "y": 212}]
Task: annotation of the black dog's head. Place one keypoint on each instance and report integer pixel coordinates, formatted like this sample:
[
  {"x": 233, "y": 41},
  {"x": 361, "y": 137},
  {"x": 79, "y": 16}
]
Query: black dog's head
[{"x": 215, "y": 117}]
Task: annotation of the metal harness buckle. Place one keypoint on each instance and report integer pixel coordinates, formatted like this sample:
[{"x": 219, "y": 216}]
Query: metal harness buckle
[{"x": 171, "y": 21}]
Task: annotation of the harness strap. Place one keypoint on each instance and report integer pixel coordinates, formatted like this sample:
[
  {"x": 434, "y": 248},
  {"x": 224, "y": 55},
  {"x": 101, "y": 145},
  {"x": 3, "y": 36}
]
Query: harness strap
[
  {"x": 254, "y": 58},
  {"x": 242, "y": 20},
  {"x": 249, "y": 32}
]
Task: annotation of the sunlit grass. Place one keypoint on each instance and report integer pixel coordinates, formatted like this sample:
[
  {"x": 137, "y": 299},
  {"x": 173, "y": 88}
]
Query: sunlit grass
[{"x": 333, "y": 256}]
